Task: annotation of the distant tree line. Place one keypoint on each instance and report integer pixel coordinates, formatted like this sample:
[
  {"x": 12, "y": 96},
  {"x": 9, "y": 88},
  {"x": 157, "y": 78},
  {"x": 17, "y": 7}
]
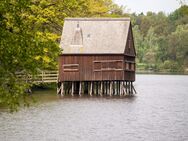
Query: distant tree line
[{"x": 162, "y": 40}]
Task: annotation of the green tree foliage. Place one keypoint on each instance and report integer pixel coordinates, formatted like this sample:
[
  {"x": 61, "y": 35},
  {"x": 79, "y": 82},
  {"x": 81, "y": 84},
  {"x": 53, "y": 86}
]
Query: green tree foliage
[
  {"x": 178, "y": 44},
  {"x": 139, "y": 44},
  {"x": 24, "y": 46},
  {"x": 161, "y": 40}
]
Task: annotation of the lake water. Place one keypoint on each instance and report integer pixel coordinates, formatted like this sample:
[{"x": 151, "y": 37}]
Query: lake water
[{"x": 159, "y": 112}]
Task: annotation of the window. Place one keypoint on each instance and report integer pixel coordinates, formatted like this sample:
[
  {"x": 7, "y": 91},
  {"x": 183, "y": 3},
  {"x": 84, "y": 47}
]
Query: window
[
  {"x": 129, "y": 65},
  {"x": 108, "y": 65},
  {"x": 70, "y": 67}
]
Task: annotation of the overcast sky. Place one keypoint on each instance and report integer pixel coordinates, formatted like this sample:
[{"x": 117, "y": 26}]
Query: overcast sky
[{"x": 139, "y": 6}]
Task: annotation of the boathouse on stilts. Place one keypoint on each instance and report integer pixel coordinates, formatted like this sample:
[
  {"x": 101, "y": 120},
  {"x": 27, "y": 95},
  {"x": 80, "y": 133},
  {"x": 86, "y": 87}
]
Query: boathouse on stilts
[{"x": 98, "y": 57}]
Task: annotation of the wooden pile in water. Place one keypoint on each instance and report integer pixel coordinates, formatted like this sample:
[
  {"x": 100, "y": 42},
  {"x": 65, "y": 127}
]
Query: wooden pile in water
[{"x": 97, "y": 88}]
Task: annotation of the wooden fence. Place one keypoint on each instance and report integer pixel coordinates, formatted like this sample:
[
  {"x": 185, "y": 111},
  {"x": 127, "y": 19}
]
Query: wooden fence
[{"x": 41, "y": 77}]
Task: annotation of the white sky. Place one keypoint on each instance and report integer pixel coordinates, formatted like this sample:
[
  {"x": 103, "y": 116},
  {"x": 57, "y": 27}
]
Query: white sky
[{"x": 139, "y": 6}]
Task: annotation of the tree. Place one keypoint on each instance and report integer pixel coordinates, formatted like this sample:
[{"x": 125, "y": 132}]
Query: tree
[
  {"x": 178, "y": 42},
  {"x": 29, "y": 39},
  {"x": 151, "y": 45},
  {"x": 139, "y": 43},
  {"x": 22, "y": 40}
]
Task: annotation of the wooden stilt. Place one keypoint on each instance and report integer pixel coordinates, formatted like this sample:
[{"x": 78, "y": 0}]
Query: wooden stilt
[
  {"x": 124, "y": 88},
  {"x": 127, "y": 87},
  {"x": 91, "y": 88},
  {"x": 115, "y": 88},
  {"x": 80, "y": 89},
  {"x": 104, "y": 87},
  {"x": 120, "y": 91},
  {"x": 101, "y": 91},
  {"x": 110, "y": 88},
  {"x": 134, "y": 89},
  {"x": 131, "y": 88},
  {"x": 62, "y": 89},
  {"x": 72, "y": 90}
]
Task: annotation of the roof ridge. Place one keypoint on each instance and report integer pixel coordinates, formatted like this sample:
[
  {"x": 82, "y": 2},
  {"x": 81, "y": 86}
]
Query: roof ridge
[{"x": 98, "y": 19}]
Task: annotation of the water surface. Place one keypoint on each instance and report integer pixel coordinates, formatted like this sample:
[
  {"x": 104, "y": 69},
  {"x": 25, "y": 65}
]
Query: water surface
[{"x": 158, "y": 112}]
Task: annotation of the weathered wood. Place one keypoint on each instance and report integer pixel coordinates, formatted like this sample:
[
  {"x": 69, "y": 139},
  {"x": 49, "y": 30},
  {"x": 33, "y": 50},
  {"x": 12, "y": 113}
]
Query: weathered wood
[
  {"x": 62, "y": 89},
  {"x": 124, "y": 88},
  {"x": 111, "y": 83},
  {"x": 41, "y": 77},
  {"x": 101, "y": 91},
  {"x": 120, "y": 91},
  {"x": 134, "y": 89},
  {"x": 96, "y": 67},
  {"x": 108, "y": 88},
  {"x": 131, "y": 88},
  {"x": 80, "y": 89},
  {"x": 91, "y": 88},
  {"x": 72, "y": 90}
]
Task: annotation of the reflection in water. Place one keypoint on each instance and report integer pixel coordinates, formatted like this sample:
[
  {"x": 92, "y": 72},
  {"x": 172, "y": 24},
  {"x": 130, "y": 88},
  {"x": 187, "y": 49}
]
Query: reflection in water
[{"x": 158, "y": 112}]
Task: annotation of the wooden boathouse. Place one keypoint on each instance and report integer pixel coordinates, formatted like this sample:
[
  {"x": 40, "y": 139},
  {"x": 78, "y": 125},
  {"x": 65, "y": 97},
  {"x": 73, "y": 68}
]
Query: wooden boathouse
[{"x": 98, "y": 57}]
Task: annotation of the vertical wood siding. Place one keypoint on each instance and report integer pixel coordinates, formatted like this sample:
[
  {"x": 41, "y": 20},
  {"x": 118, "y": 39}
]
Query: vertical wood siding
[{"x": 95, "y": 67}]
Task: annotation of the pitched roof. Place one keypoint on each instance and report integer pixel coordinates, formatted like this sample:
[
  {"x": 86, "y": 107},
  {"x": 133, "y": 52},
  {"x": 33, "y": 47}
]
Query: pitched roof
[{"x": 95, "y": 35}]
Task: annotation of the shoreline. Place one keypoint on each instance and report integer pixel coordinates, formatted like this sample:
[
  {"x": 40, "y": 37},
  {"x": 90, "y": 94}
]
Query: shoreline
[{"x": 160, "y": 72}]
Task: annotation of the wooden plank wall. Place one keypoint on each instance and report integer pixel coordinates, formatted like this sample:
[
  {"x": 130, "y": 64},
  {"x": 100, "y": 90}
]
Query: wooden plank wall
[{"x": 94, "y": 68}]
